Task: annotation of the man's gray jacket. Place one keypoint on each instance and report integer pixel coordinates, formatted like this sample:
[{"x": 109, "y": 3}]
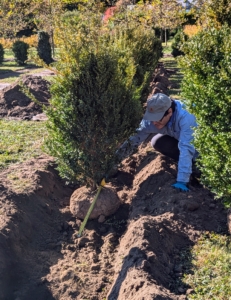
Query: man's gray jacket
[{"x": 180, "y": 126}]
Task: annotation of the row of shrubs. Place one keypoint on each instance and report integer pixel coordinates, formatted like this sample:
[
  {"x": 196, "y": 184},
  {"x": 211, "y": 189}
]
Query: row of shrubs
[
  {"x": 20, "y": 50},
  {"x": 206, "y": 65}
]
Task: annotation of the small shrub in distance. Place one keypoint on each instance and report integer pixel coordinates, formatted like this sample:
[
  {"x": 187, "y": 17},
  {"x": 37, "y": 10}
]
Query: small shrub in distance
[
  {"x": 44, "y": 47},
  {"x": 20, "y": 50},
  {"x": 1, "y": 54},
  {"x": 179, "y": 39},
  {"x": 146, "y": 50}
]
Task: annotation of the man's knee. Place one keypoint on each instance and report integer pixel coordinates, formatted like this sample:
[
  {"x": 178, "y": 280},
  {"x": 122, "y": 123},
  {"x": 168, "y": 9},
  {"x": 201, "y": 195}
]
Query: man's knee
[
  {"x": 155, "y": 141},
  {"x": 166, "y": 145}
]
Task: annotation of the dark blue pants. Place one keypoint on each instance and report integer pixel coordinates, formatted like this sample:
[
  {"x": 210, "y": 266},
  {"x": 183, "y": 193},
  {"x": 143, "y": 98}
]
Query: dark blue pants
[{"x": 166, "y": 145}]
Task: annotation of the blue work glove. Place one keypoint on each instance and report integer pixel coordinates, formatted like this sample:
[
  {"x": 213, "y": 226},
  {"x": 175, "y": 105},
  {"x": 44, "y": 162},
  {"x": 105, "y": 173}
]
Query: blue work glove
[{"x": 182, "y": 186}]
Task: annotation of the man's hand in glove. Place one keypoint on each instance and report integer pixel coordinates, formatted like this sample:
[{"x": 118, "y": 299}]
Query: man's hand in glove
[{"x": 182, "y": 186}]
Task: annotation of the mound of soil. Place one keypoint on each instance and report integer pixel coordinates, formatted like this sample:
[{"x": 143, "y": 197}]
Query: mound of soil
[
  {"x": 134, "y": 254},
  {"x": 15, "y": 104}
]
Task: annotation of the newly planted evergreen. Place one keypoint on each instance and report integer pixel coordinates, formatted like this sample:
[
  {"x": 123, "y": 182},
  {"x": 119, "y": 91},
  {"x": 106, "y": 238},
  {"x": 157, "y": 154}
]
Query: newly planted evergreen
[{"x": 96, "y": 98}]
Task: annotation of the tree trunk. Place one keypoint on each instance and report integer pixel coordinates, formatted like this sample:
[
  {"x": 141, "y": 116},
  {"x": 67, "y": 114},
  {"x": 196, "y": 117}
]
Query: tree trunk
[
  {"x": 52, "y": 43},
  {"x": 165, "y": 37},
  {"x": 161, "y": 34}
]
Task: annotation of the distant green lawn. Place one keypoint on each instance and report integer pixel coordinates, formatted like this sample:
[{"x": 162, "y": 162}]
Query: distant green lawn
[
  {"x": 167, "y": 48},
  {"x": 20, "y": 141},
  {"x": 8, "y": 54}
]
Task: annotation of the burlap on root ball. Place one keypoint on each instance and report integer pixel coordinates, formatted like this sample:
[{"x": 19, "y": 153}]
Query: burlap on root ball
[{"x": 107, "y": 203}]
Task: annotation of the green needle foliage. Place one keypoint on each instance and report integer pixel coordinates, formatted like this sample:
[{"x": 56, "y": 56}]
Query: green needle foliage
[
  {"x": 206, "y": 84},
  {"x": 96, "y": 95}
]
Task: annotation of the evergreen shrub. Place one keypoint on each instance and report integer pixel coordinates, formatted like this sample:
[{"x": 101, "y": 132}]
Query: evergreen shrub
[
  {"x": 141, "y": 39},
  {"x": 1, "y": 54},
  {"x": 95, "y": 103},
  {"x": 44, "y": 47},
  {"x": 146, "y": 50},
  {"x": 20, "y": 50},
  {"x": 206, "y": 84},
  {"x": 179, "y": 39}
]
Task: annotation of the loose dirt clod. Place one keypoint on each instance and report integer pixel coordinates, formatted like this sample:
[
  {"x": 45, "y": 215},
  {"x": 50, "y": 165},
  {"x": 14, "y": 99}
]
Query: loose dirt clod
[{"x": 107, "y": 203}]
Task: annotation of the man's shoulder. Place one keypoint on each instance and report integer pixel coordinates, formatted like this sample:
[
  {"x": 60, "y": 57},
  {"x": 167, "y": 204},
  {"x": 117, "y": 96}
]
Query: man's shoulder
[
  {"x": 181, "y": 108},
  {"x": 180, "y": 104},
  {"x": 183, "y": 115}
]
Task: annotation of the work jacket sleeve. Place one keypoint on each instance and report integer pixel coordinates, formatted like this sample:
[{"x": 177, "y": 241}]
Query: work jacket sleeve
[
  {"x": 187, "y": 123},
  {"x": 129, "y": 146}
]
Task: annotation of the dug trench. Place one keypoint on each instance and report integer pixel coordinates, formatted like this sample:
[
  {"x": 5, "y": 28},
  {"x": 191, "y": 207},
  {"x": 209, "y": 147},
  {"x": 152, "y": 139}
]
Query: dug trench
[
  {"x": 139, "y": 252},
  {"x": 134, "y": 254}
]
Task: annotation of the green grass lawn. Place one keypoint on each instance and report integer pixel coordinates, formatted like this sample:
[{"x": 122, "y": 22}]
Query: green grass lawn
[
  {"x": 10, "y": 70},
  {"x": 8, "y": 54},
  {"x": 175, "y": 78},
  {"x": 20, "y": 141},
  {"x": 167, "y": 48},
  {"x": 170, "y": 63},
  {"x": 211, "y": 265}
]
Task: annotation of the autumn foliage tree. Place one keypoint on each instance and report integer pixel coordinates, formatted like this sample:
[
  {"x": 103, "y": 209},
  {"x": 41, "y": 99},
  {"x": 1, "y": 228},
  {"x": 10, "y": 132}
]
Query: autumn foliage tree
[
  {"x": 211, "y": 13},
  {"x": 21, "y": 14},
  {"x": 13, "y": 16}
]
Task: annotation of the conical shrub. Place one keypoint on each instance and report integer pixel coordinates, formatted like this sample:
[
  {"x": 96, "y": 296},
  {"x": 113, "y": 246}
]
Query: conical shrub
[
  {"x": 95, "y": 102},
  {"x": 44, "y": 47}
]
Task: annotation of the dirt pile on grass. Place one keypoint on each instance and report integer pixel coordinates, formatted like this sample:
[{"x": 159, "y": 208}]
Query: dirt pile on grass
[
  {"x": 15, "y": 104},
  {"x": 135, "y": 254}
]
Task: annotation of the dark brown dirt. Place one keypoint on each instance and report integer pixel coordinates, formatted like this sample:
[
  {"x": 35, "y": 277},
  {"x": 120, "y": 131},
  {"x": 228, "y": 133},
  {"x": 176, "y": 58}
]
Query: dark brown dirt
[
  {"x": 15, "y": 103},
  {"x": 135, "y": 254}
]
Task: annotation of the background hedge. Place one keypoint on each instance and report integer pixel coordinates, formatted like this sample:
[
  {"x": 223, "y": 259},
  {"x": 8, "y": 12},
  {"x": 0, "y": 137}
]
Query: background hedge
[{"x": 207, "y": 86}]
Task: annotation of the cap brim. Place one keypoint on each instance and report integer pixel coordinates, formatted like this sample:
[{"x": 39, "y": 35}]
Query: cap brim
[{"x": 153, "y": 116}]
